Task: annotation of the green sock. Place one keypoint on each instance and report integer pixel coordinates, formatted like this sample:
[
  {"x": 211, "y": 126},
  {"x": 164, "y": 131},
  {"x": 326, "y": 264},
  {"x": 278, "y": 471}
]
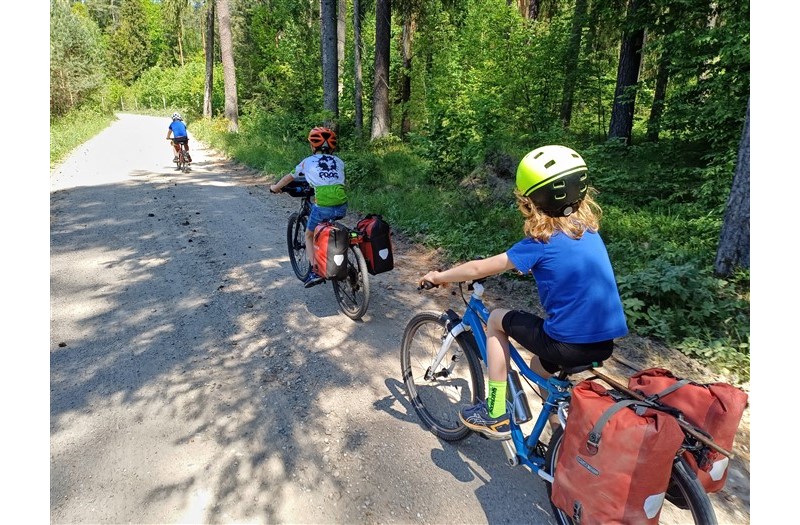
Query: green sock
[{"x": 497, "y": 398}]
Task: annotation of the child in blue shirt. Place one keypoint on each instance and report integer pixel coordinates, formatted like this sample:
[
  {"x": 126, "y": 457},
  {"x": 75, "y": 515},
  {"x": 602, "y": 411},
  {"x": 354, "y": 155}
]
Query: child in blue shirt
[
  {"x": 576, "y": 284},
  {"x": 178, "y": 134}
]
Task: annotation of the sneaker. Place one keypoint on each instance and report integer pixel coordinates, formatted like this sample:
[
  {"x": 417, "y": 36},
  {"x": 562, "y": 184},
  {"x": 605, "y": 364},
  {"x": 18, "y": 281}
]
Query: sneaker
[
  {"x": 476, "y": 417},
  {"x": 175, "y": 158},
  {"x": 312, "y": 280}
]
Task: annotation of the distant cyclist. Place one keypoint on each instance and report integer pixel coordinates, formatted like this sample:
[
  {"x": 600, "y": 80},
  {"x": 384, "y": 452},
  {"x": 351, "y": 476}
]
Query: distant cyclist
[
  {"x": 178, "y": 134},
  {"x": 324, "y": 171}
]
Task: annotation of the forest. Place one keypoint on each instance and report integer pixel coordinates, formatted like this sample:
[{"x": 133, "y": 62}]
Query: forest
[{"x": 436, "y": 101}]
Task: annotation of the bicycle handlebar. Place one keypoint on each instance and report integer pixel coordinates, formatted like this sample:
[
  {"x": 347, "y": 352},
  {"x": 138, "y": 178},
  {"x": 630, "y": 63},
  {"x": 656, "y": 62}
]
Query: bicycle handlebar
[{"x": 427, "y": 285}]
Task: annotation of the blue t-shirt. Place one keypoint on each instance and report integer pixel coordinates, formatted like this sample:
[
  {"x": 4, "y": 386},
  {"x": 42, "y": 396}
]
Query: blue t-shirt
[
  {"x": 178, "y": 128},
  {"x": 576, "y": 286}
]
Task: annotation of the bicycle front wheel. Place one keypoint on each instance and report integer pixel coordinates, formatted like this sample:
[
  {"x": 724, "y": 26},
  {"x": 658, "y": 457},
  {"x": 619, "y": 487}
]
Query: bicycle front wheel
[
  {"x": 686, "y": 500},
  {"x": 296, "y": 240},
  {"x": 352, "y": 292},
  {"x": 438, "y": 394}
]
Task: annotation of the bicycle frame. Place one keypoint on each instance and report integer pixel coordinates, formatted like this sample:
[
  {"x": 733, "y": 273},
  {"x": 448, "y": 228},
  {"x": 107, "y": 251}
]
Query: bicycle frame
[{"x": 524, "y": 447}]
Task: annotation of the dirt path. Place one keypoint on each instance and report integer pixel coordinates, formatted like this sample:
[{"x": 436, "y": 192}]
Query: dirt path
[{"x": 194, "y": 380}]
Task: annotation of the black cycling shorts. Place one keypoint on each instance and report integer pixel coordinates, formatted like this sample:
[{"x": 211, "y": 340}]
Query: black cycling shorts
[
  {"x": 528, "y": 330},
  {"x": 181, "y": 140}
]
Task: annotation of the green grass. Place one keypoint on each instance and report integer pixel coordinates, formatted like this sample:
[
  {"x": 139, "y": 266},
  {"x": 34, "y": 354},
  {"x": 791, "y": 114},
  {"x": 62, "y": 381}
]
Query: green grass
[{"x": 75, "y": 128}]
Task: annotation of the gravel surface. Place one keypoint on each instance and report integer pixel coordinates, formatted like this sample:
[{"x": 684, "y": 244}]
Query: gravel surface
[{"x": 194, "y": 380}]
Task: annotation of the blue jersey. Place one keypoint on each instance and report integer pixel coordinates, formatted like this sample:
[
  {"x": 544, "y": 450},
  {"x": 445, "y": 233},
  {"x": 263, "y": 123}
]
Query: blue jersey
[
  {"x": 178, "y": 128},
  {"x": 576, "y": 286}
]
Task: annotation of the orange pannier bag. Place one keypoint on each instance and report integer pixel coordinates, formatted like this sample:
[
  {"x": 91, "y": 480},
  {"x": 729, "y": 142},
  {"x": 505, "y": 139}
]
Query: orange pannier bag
[
  {"x": 330, "y": 250},
  {"x": 714, "y": 408},
  {"x": 615, "y": 459}
]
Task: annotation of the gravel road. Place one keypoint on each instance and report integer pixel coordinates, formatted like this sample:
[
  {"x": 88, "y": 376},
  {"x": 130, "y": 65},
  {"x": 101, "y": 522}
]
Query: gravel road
[{"x": 194, "y": 380}]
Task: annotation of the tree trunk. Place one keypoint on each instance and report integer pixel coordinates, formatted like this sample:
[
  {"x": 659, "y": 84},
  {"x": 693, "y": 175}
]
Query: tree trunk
[
  {"x": 180, "y": 39},
  {"x": 657, "y": 109},
  {"x": 341, "y": 32},
  {"x": 734, "y": 242},
  {"x": 209, "y": 83},
  {"x": 630, "y": 61},
  {"x": 533, "y": 10},
  {"x": 330, "y": 68},
  {"x": 359, "y": 86},
  {"x": 228, "y": 66},
  {"x": 571, "y": 61},
  {"x": 381, "y": 123},
  {"x": 405, "y": 76}
]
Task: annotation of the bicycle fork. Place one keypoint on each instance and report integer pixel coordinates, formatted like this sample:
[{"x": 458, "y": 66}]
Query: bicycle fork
[{"x": 453, "y": 332}]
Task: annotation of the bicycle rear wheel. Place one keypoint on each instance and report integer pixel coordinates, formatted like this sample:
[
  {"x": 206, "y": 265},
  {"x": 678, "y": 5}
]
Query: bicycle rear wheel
[
  {"x": 296, "y": 241},
  {"x": 184, "y": 158},
  {"x": 438, "y": 395},
  {"x": 686, "y": 501},
  {"x": 352, "y": 292}
]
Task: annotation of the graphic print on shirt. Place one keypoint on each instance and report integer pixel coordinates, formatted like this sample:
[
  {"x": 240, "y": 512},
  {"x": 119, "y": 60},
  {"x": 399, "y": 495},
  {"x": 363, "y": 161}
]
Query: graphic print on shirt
[{"x": 327, "y": 167}]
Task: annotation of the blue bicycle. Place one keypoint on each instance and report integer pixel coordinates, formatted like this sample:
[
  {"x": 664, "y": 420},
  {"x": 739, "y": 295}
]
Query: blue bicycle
[{"x": 441, "y": 359}]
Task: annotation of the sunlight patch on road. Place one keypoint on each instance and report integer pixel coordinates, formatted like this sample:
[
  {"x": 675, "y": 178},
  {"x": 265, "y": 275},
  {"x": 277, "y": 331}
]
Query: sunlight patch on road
[
  {"x": 197, "y": 506},
  {"x": 217, "y": 183}
]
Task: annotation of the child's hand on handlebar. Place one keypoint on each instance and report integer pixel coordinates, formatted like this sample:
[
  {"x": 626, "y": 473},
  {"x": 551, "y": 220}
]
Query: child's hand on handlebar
[{"x": 429, "y": 280}]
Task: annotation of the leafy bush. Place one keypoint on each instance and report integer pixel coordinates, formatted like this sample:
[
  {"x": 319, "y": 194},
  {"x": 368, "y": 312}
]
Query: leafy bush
[{"x": 684, "y": 304}]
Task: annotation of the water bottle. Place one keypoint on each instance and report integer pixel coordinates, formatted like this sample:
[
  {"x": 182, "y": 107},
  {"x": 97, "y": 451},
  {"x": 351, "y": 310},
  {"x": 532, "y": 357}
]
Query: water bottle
[{"x": 517, "y": 398}]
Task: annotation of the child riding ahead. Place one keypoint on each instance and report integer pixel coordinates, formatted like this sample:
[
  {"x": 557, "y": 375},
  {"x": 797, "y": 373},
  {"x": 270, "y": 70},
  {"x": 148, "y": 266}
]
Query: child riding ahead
[
  {"x": 568, "y": 259},
  {"x": 178, "y": 135},
  {"x": 324, "y": 171}
]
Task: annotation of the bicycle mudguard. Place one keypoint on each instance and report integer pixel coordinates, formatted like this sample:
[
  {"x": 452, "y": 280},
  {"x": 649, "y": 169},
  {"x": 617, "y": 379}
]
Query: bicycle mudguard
[{"x": 451, "y": 319}]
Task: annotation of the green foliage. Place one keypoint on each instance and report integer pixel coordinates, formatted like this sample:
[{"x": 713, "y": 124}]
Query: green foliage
[
  {"x": 710, "y": 74},
  {"x": 263, "y": 141},
  {"x": 76, "y": 58},
  {"x": 129, "y": 44},
  {"x": 277, "y": 56},
  {"x": 176, "y": 88},
  {"x": 684, "y": 304}
]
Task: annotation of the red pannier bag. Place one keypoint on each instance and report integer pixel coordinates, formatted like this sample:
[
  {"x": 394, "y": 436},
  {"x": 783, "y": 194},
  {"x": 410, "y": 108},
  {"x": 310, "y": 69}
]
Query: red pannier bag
[
  {"x": 330, "y": 250},
  {"x": 377, "y": 245},
  {"x": 715, "y": 408},
  {"x": 615, "y": 459}
]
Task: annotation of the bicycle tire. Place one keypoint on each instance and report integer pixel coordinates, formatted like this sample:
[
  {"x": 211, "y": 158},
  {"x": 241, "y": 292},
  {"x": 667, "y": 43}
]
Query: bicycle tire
[
  {"x": 296, "y": 242},
  {"x": 352, "y": 292},
  {"x": 437, "y": 398},
  {"x": 694, "y": 505},
  {"x": 184, "y": 159}
]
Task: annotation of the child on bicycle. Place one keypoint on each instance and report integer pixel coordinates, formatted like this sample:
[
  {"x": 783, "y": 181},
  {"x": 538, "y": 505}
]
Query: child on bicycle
[
  {"x": 178, "y": 134},
  {"x": 324, "y": 171},
  {"x": 577, "y": 288}
]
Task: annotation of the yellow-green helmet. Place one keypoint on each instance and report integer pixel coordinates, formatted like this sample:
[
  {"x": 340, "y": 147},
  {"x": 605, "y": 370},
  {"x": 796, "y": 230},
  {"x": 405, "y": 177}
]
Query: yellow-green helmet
[{"x": 555, "y": 178}]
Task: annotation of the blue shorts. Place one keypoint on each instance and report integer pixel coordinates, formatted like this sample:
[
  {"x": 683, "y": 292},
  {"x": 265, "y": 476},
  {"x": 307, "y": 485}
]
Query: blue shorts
[{"x": 325, "y": 213}]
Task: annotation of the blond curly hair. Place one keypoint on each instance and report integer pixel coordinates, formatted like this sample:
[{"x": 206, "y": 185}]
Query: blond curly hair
[{"x": 540, "y": 226}]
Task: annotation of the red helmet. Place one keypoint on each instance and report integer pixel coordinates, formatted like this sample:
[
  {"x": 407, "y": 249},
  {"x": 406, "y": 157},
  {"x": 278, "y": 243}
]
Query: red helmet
[{"x": 322, "y": 139}]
